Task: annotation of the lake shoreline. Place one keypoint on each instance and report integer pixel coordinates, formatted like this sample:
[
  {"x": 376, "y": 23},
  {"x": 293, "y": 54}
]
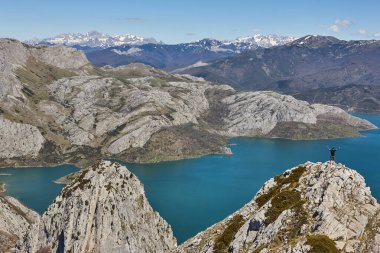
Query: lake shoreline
[{"x": 224, "y": 151}]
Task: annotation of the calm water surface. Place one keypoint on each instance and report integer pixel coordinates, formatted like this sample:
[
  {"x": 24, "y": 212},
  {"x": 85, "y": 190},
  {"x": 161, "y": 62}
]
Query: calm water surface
[
  {"x": 34, "y": 186},
  {"x": 194, "y": 194}
]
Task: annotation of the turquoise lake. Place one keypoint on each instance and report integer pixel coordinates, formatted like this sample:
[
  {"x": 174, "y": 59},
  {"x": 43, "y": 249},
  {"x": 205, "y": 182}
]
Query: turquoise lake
[{"x": 194, "y": 194}]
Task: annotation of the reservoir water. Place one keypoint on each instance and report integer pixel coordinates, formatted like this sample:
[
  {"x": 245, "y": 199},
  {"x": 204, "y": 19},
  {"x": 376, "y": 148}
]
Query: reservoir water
[
  {"x": 194, "y": 194},
  {"x": 34, "y": 186}
]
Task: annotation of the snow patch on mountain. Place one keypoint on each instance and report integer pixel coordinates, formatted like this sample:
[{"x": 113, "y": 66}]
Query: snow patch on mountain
[
  {"x": 258, "y": 40},
  {"x": 195, "y": 65},
  {"x": 93, "y": 39},
  {"x": 131, "y": 51}
]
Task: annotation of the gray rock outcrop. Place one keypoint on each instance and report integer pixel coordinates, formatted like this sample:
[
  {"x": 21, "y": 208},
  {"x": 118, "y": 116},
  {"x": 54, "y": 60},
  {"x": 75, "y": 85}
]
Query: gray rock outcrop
[
  {"x": 15, "y": 220},
  {"x": 19, "y": 140},
  {"x": 258, "y": 113},
  {"x": 103, "y": 210},
  {"x": 325, "y": 207}
]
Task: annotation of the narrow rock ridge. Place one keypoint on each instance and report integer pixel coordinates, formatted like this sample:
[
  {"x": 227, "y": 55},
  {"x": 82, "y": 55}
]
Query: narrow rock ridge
[
  {"x": 103, "y": 210},
  {"x": 314, "y": 207},
  {"x": 15, "y": 220}
]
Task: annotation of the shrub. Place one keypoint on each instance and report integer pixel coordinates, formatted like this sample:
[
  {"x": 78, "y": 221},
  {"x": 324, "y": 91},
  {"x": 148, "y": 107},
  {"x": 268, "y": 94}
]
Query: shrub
[
  {"x": 294, "y": 177},
  {"x": 224, "y": 240},
  {"x": 285, "y": 200},
  {"x": 321, "y": 243}
]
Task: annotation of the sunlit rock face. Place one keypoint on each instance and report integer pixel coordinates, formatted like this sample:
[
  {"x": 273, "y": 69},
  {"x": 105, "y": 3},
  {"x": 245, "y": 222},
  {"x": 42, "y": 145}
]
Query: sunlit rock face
[
  {"x": 321, "y": 206},
  {"x": 103, "y": 210}
]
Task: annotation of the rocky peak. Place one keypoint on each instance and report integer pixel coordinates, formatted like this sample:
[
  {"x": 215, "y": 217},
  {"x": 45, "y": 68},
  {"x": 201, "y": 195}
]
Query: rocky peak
[
  {"x": 316, "y": 41},
  {"x": 266, "y": 41},
  {"x": 314, "y": 207},
  {"x": 103, "y": 210}
]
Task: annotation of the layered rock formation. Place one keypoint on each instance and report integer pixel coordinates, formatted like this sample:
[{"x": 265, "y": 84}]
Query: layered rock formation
[
  {"x": 103, "y": 210},
  {"x": 15, "y": 220},
  {"x": 315, "y": 207},
  {"x": 60, "y": 109},
  {"x": 19, "y": 140},
  {"x": 265, "y": 113}
]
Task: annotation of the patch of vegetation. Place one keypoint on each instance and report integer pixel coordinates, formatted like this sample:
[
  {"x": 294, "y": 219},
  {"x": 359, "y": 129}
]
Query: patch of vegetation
[
  {"x": 79, "y": 182},
  {"x": 321, "y": 243},
  {"x": 218, "y": 110},
  {"x": 224, "y": 240},
  {"x": 324, "y": 129},
  {"x": 280, "y": 180},
  {"x": 264, "y": 198},
  {"x": 37, "y": 75},
  {"x": 175, "y": 143},
  {"x": 284, "y": 196},
  {"x": 259, "y": 249},
  {"x": 109, "y": 186},
  {"x": 286, "y": 199},
  {"x": 368, "y": 238}
]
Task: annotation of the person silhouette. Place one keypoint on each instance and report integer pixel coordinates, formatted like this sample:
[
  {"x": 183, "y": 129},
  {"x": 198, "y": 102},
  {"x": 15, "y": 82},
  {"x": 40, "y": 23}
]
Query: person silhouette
[{"x": 332, "y": 153}]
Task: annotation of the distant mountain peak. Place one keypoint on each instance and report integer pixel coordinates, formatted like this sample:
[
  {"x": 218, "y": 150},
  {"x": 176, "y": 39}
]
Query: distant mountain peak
[
  {"x": 315, "y": 40},
  {"x": 93, "y": 39},
  {"x": 258, "y": 40}
]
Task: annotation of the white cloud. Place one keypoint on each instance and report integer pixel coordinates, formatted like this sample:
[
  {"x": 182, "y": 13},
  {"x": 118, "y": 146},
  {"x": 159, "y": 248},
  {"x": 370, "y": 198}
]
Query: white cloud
[
  {"x": 376, "y": 35},
  {"x": 362, "y": 32},
  {"x": 334, "y": 28},
  {"x": 339, "y": 23}
]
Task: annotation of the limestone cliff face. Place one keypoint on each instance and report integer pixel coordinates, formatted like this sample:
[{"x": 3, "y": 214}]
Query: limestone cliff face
[
  {"x": 315, "y": 207},
  {"x": 259, "y": 113},
  {"x": 103, "y": 210},
  {"x": 15, "y": 220},
  {"x": 14, "y": 54},
  {"x": 19, "y": 140},
  {"x": 67, "y": 110}
]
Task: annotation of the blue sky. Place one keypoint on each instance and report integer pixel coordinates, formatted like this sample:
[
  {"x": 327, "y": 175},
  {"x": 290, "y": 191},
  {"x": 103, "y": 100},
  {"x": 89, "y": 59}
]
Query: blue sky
[{"x": 174, "y": 21}]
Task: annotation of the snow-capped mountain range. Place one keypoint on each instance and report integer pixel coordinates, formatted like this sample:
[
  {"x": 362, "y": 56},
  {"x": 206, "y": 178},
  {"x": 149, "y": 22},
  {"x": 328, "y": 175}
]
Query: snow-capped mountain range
[
  {"x": 93, "y": 39},
  {"x": 258, "y": 40},
  {"x": 102, "y": 49}
]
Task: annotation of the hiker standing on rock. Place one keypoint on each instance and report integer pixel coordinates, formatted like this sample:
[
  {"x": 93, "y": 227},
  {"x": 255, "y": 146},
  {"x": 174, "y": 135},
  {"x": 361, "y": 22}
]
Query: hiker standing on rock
[{"x": 332, "y": 153}]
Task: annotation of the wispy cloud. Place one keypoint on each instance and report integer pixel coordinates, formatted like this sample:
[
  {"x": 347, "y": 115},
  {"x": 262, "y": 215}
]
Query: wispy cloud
[
  {"x": 339, "y": 23},
  {"x": 134, "y": 19},
  {"x": 190, "y": 34},
  {"x": 361, "y": 32},
  {"x": 377, "y": 35}
]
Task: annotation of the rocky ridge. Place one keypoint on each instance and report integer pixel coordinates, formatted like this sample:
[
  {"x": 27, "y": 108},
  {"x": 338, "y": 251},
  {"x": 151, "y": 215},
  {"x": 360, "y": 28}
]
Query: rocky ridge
[
  {"x": 308, "y": 63},
  {"x": 315, "y": 207},
  {"x": 15, "y": 220},
  {"x": 92, "y": 39},
  {"x": 103, "y": 210},
  {"x": 61, "y": 109},
  {"x": 258, "y": 113},
  {"x": 181, "y": 56}
]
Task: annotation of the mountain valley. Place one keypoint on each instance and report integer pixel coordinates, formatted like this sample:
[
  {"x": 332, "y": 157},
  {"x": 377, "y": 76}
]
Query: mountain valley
[{"x": 62, "y": 109}]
